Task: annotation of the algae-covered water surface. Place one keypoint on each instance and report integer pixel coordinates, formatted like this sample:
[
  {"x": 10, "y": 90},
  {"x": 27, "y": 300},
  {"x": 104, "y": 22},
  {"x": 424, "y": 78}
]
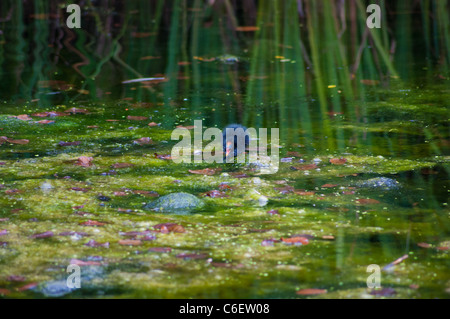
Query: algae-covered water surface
[{"x": 358, "y": 204}]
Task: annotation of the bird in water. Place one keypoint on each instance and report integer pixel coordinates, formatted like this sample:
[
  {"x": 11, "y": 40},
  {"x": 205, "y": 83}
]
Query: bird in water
[{"x": 228, "y": 146}]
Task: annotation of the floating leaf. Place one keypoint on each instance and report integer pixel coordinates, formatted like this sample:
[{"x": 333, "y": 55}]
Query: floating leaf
[
  {"x": 328, "y": 185},
  {"x": 137, "y": 118},
  {"x": 13, "y": 191},
  {"x": 46, "y": 234},
  {"x": 247, "y": 28},
  {"x": 144, "y": 141},
  {"x": 84, "y": 161},
  {"x": 169, "y": 227},
  {"x": 295, "y": 240},
  {"x": 163, "y": 157},
  {"x": 160, "y": 250},
  {"x": 4, "y": 291},
  {"x": 4, "y": 139},
  {"x": 130, "y": 242},
  {"x": 79, "y": 262},
  {"x": 370, "y": 82},
  {"x": 49, "y": 114},
  {"x": 93, "y": 243},
  {"x": 385, "y": 292},
  {"x": 187, "y": 256},
  {"x": 23, "y": 117},
  {"x": 45, "y": 122},
  {"x": 189, "y": 127},
  {"x": 69, "y": 143},
  {"x": 338, "y": 161},
  {"x": 75, "y": 110},
  {"x": 366, "y": 201},
  {"x": 27, "y": 286},
  {"x": 122, "y": 165},
  {"x": 303, "y": 193},
  {"x": 311, "y": 291},
  {"x": 92, "y": 223}
]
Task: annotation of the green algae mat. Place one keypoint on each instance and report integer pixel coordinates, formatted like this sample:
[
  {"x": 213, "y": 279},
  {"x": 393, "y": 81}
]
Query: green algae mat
[{"x": 93, "y": 203}]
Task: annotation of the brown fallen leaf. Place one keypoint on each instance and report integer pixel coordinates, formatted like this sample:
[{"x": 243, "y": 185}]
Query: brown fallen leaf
[
  {"x": 23, "y": 117},
  {"x": 27, "y": 286},
  {"x": 137, "y": 118},
  {"x": 163, "y": 157},
  {"x": 329, "y": 185},
  {"x": 303, "y": 193},
  {"x": 305, "y": 167},
  {"x": 311, "y": 291},
  {"x": 4, "y": 139},
  {"x": 130, "y": 242},
  {"x": 144, "y": 141},
  {"x": 93, "y": 243},
  {"x": 246, "y": 28},
  {"x": 46, "y": 234},
  {"x": 84, "y": 161},
  {"x": 206, "y": 171},
  {"x": 338, "y": 161},
  {"x": 385, "y": 292},
  {"x": 295, "y": 240},
  {"x": 45, "y": 122},
  {"x": 121, "y": 165},
  {"x": 160, "y": 250},
  {"x": 187, "y": 256},
  {"x": 69, "y": 143},
  {"x": 169, "y": 227},
  {"x": 79, "y": 262},
  {"x": 13, "y": 191},
  {"x": 189, "y": 127},
  {"x": 49, "y": 114},
  {"x": 370, "y": 82},
  {"x": 366, "y": 201},
  {"x": 75, "y": 110},
  {"x": 92, "y": 223},
  {"x": 4, "y": 291}
]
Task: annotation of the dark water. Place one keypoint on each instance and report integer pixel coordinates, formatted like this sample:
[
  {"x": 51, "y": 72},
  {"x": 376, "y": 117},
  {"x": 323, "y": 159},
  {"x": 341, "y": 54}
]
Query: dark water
[{"x": 378, "y": 100}]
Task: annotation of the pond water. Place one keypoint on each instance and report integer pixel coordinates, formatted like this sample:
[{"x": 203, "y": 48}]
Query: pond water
[{"x": 363, "y": 177}]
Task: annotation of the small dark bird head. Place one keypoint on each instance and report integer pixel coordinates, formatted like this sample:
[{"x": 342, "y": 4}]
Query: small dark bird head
[{"x": 228, "y": 146}]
